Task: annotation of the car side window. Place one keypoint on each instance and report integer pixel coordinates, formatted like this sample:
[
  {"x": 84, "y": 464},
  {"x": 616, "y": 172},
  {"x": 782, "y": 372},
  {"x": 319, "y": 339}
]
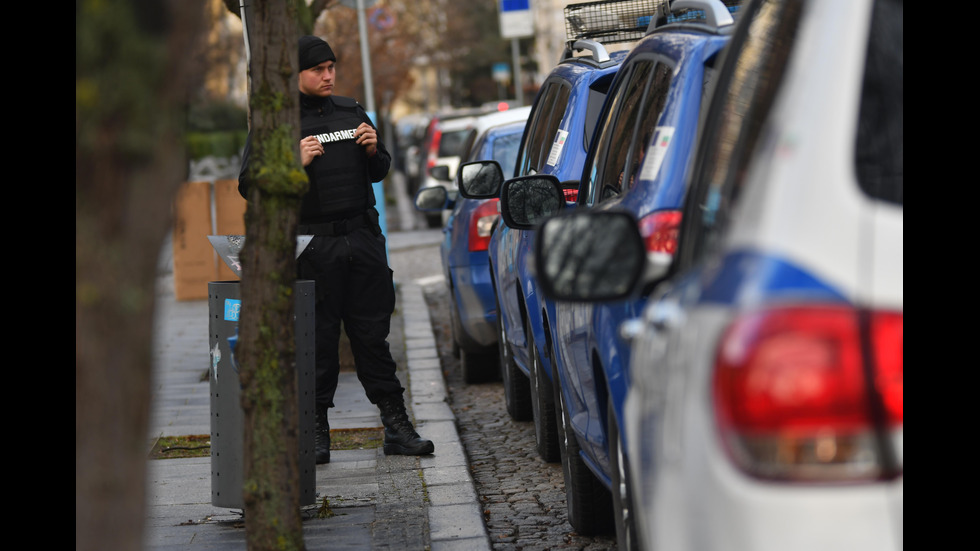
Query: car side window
[
  {"x": 597, "y": 96},
  {"x": 618, "y": 133},
  {"x": 879, "y": 147},
  {"x": 655, "y": 100},
  {"x": 627, "y": 129},
  {"x": 537, "y": 124},
  {"x": 746, "y": 87},
  {"x": 552, "y": 109},
  {"x": 551, "y": 132},
  {"x": 595, "y": 165}
]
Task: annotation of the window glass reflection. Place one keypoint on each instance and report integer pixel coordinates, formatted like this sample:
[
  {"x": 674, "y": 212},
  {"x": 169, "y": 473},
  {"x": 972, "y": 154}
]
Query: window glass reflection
[
  {"x": 481, "y": 178},
  {"x": 532, "y": 201},
  {"x": 588, "y": 256}
]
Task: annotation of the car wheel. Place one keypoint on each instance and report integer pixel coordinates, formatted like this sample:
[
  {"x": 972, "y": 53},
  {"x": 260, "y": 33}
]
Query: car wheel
[
  {"x": 517, "y": 389},
  {"x": 588, "y": 502},
  {"x": 622, "y": 499},
  {"x": 543, "y": 407},
  {"x": 477, "y": 367}
]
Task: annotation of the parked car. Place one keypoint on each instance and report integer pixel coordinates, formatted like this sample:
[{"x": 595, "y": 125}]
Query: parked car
[
  {"x": 466, "y": 236},
  {"x": 555, "y": 141},
  {"x": 643, "y": 144},
  {"x": 409, "y": 134},
  {"x": 445, "y": 138},
  {"x": 766, "y": 409}
]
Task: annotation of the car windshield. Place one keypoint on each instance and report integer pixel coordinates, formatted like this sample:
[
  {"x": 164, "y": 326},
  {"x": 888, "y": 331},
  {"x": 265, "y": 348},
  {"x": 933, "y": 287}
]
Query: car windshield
[
  {"x": 452, "y": 142},
  {"x": 505, "y": 152}
]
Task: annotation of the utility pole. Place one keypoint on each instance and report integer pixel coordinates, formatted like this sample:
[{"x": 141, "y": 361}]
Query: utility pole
[
  {"x": 516, "y": 21},
  {"x": 360, "y": 6}
]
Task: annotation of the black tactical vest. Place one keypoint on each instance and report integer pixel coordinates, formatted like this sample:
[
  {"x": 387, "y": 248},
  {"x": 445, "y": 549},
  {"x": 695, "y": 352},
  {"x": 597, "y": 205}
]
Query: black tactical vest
[{"x": 339, "y": 181}]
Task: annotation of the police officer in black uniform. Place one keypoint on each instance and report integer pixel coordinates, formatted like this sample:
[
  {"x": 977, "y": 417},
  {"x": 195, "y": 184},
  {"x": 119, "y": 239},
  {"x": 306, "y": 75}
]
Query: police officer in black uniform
[{"x": 346, "y": 258}]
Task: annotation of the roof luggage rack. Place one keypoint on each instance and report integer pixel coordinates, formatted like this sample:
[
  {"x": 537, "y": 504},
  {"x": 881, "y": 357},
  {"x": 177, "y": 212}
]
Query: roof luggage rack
[
  {"x": 597, "y": 52},
  {"x": 713, "y": 14},
  {"x": 609, "y": 21}
]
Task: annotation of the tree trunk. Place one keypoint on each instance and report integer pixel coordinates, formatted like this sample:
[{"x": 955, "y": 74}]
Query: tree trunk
[
  {"x": 267, "y": 329},
  {"x": 132, "y": 74}
]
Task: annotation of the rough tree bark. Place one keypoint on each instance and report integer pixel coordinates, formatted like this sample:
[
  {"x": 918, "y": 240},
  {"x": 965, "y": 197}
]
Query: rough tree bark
[
  {"x": 266, "y": 329},
  {"x": 133, "y": 70}
]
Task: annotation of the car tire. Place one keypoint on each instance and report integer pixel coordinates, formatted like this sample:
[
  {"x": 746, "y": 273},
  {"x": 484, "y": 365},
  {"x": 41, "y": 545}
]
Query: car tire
[
  {"x": 542, "y": 407},
  {"x": 624, "y": 518},
  {"x": 517, "y": 389},
  {"x": 589, "y": 503}
]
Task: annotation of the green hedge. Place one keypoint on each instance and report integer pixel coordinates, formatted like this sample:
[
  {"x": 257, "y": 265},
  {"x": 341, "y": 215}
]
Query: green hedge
[
  {"x": 215, "y": 129},
  {"x": 224, "y": 143},
  {"x": 216, "y": 116}
]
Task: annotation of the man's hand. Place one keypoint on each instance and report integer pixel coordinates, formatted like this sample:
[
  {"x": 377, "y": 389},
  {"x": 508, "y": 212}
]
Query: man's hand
[
  {"x": 366, "y": 136},
  {"x": 309, "y": 148}
]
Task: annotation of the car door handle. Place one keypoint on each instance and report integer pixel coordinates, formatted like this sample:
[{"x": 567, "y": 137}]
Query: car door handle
[
  {"x": 665, "y": 315},
  {"x": 630, "y": 329}
]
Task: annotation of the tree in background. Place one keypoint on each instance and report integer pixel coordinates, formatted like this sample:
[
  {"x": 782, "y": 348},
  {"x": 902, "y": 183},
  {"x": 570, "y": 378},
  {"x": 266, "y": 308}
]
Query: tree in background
[
  {"x": 135, "y": 64},
  {"x": 460, "y": 40},
  {"x": 393, "y": 48},
  {"x": 472, "y": 66},
  {"x": 306, "y": 12}
]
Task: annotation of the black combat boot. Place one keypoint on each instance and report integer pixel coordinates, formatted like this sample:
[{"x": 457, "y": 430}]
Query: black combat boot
[
  {"x": 322, "y": 438},
  {"x": 400, "y": 435}
]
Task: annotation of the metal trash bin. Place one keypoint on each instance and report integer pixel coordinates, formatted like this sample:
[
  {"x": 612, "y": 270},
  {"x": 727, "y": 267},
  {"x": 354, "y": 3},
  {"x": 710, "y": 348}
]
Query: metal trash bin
[{"x": 227, "y": 417}]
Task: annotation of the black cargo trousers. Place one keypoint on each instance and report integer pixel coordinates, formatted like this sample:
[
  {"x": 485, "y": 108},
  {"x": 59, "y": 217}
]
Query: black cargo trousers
[{"x": 353, "y": 285}]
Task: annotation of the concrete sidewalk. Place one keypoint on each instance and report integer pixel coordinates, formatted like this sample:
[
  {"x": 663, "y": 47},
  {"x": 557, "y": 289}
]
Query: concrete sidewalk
[{"x": 377, "y": 501}]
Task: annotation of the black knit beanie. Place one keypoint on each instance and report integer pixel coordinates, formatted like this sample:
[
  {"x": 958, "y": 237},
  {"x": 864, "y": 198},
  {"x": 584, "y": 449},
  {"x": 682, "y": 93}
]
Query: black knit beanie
[{"x": 313, "y": 51}]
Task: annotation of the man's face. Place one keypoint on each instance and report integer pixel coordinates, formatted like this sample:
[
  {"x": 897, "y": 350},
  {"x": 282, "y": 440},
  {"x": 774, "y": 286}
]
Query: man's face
[{"x": 317, "y": 80}]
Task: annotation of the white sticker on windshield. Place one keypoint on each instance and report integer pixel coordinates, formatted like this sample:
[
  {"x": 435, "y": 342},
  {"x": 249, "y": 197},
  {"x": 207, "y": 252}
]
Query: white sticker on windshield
[
  {"x": 656, "y": 152},
  {"x": 557, "y": 147}
]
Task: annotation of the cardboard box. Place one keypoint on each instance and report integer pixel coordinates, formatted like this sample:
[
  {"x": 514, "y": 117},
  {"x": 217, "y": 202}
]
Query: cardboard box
[
  {"x": 195, "y": 262},
  {"x": 229, "y": 214}
]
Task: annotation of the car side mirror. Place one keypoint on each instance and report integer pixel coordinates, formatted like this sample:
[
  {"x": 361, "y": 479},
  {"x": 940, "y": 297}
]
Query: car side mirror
[
  {"x": 440, "y": 172},
  {"x": 432, "y": 199},
  {"x": 589, "y": 256},
  {"x": 479, "y": 179},
  {"x": 527, "y": 201}
]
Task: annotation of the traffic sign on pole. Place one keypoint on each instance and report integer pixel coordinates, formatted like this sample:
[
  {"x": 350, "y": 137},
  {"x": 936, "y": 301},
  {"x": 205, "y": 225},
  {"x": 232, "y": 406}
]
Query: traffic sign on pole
[{"x": 516, "y": 18}]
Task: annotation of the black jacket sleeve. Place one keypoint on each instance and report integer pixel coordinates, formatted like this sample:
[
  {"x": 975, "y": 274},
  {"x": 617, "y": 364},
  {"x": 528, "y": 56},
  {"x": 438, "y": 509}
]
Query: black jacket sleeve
[
  {"x": 243, "y": 174},
  {"x": 380, "y": 162}
]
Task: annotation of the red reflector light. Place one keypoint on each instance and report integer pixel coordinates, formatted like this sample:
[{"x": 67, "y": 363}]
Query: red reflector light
[
  {"x": 660, "y": 231},
  {"x": 481, "y": 225},
  {"x": 571, "y": 195}
]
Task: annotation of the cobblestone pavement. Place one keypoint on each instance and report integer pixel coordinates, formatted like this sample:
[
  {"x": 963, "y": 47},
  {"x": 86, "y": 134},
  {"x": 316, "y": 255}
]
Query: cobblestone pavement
[{"x": 523, "y": 497}]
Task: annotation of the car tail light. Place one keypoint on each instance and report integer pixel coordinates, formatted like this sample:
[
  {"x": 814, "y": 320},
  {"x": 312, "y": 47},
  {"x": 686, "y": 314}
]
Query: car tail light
[
  {"x": 660, "y": 231},
  {"x": 433, "y": 153},
  {"x": 571, "y": 193},
  {"x": 792, "y": 397},
  {"x": 887, "y": 340},
  {"x": 481, "y": 225}
]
